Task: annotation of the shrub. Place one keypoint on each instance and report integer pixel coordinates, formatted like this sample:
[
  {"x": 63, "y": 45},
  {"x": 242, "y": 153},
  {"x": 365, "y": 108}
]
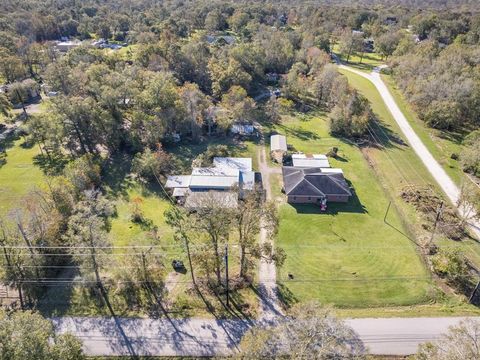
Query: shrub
[
  {"x": 470, "y": 155},
  {"x": 205, "y": 159},
  {"x": 453, "y": 266},
  {"x": 149, "y": 165}
]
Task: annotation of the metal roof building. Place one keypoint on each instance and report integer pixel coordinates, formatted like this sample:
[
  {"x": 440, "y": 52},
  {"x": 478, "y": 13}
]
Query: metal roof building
[
  {"x": 278, "y": 143},
  {"x": 308, "y": 160}
]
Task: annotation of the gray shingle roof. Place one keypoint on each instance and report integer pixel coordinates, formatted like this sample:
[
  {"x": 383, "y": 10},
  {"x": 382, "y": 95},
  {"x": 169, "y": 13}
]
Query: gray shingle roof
[{"x": 299, "y": 181}]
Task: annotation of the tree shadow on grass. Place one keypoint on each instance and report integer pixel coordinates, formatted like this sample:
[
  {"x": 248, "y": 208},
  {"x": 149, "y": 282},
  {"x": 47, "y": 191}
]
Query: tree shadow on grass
[
  {"x": 57, "y": 298},
  {"x": 299, "y": 133},
  {"x": 6, "y": 142},
  {"x": 285, "y": 295},
  {"x": 50, "y": 165},
  {"x": 115, "y": 172},
  {"x": 383, "y": 136},
  {"x": 456, "y": 136}
]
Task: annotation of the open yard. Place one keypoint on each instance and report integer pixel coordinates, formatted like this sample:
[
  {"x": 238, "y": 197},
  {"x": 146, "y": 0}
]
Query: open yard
[
  {"x": 365, "y": 63},
  {"x": 18, "y": 174},
  {"x": 398, "y": 166},
  {"x": 348, "y": 256}
]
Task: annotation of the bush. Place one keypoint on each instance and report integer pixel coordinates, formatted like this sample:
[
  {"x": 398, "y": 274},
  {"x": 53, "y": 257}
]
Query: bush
[
  {"x": 453, "y": 266},
  {"x": 84, "y": 173},
  {"x": 470, "y": 155},
  {"x": 351, "y": 116},
  {"x": 149, "y": 165},
  {"x": 206, "y": 159},
  {"x": 426, "y": 200}
]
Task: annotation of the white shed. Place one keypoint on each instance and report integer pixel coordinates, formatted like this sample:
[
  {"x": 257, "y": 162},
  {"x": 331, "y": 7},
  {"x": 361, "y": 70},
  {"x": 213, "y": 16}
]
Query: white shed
[{"x": 278, "y": 143}]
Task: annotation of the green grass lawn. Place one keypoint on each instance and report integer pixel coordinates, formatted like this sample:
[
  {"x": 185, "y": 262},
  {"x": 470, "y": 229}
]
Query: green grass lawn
[
  {"x": 440, "y": 144},
  {"x": 397, "y": 166},
  {"x": 18, "y": 175},
  {"x": 367, "y": 63},
  {"x": 348, "y": 256}
]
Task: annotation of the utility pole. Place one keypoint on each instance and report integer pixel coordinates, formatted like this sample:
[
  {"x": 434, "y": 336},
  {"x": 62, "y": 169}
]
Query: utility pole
[
  {"x": 439, "y": 213},
  {"x": 226, "y": 275},
  {"x": 472, "y": 296}
]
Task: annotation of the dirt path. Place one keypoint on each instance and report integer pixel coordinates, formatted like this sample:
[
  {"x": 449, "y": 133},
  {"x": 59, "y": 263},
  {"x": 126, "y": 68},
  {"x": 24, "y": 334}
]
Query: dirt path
[
  {"x": 270, "y": 307},
  {"x": 439, "y": 174}
]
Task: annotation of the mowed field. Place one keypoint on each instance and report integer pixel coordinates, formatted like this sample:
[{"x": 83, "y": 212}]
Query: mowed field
[
  {"x": 398, "y": 166},
  {"x": 348, "y": 256}
]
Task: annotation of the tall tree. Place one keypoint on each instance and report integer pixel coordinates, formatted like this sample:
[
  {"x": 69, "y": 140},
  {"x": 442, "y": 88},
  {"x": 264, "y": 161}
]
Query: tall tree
[
  {"x": 87, "y": 235},
  {"x": 28, "y": 336},
  {"x": 213, "y": 222},
  {"x": 196, "y": 104},
  {"x": 311, "y": 332},
  {"x": 461, "y": 342}
]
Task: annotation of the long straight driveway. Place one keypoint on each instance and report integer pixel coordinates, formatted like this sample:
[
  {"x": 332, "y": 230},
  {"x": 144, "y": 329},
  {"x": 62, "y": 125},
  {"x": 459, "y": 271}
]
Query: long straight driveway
[{"x": 448, "y": 186}]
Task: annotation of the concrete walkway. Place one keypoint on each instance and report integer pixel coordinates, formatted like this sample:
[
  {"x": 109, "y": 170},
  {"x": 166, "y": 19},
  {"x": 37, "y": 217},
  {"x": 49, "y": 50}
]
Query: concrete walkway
[{"x": 438, "y": 173}]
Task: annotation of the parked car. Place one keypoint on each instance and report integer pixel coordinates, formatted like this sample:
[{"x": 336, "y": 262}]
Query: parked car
[{"x": 178, "y": 265}]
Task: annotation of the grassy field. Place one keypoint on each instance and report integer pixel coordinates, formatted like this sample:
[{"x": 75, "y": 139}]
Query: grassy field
[
  {"x": 348, "y": 256},
  {"x": 18, "y": 174},
  {"x": 440, "y": 144},
  {"x": 398, "y": 166}
]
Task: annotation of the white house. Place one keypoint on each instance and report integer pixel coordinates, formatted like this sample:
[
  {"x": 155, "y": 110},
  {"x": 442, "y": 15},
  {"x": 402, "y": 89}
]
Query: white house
[
  {"x": 224, "y": 174},
  {"x": 65, "y": 46}
]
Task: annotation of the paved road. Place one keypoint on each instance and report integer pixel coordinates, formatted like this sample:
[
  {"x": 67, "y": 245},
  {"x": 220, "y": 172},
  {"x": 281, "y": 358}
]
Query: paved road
[
  {"x": 148, "y": 337},
  {"x": 201, "y": 337},
  {"x": 400, "y": 336},
  {"x": 439, "y": 174}
]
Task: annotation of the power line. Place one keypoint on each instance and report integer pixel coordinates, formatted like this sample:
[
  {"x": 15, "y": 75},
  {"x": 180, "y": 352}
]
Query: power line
[
  {"x": 53, "y": 281},
  {"x": 408, "y": 163}
]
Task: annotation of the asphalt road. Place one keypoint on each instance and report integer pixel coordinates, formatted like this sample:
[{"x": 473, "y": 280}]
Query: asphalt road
[
  {"x": 208, "y": 337},
  {"x": 148, "y": 337},
  {"x": 400, "y": 336},
  {"x": 448, "y": 186}
]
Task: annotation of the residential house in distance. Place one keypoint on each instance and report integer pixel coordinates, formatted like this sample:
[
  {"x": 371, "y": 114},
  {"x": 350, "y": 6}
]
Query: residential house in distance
[
  {"x": 220, "y": 39},
  {"x": 239, "y": 128},
  {"x": 315, "y": 186},
  {"x": 278, "y": 147},
  {"x": 310, "y": 160},
  {"x": 64, "y": 46},
  {"x": 215, "y": 181}
]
